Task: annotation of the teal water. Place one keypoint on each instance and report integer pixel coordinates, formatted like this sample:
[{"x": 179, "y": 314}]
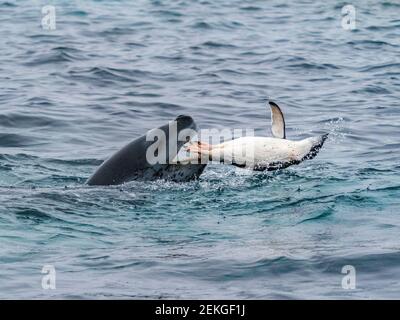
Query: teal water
[{"x": 114, "y": 69}]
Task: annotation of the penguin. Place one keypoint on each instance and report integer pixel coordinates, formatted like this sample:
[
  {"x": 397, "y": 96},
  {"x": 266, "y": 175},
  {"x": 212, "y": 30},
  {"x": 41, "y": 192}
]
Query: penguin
[{"x": 260, "y": 153}]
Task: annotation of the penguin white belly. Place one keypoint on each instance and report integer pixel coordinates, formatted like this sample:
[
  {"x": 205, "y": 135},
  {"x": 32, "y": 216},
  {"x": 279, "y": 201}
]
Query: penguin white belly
[{"x": 261, "y": 151}]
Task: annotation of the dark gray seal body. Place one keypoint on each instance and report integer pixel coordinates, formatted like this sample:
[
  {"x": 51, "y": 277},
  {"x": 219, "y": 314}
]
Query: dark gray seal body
[{"x": 133, "y": 162}]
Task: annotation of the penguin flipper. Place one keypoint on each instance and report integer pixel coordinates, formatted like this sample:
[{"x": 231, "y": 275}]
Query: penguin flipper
[{"x": 277, "y": 121}]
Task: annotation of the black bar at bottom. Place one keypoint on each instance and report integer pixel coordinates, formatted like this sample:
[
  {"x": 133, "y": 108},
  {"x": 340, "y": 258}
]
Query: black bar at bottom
[{"x": 194, "y": 309}]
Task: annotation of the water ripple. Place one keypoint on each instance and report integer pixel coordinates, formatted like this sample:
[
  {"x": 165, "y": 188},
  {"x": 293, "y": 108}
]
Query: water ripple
[{"x": 112, "y": 70}]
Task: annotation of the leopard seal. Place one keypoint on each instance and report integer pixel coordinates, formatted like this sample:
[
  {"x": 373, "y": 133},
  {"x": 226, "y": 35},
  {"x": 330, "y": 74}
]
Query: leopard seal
[{"x": 151, "y": 157}]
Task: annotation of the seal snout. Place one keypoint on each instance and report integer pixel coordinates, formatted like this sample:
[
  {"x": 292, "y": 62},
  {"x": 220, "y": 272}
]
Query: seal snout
[{"x": 185, "y": 122}]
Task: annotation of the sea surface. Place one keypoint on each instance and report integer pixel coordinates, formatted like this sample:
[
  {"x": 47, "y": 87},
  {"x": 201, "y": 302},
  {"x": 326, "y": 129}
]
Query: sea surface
[{"x": 111, "y": 70}]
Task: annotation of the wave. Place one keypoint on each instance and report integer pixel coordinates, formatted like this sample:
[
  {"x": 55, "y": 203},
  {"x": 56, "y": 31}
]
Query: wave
[
  {"x": 32, "y": 214},
  {"x": 380, "y": 66},
  {"x": 14, "y": 140},
  {"x": 371, "y": 44},
  {"x": 56, "y": 55},
  {"x": 215, "y": 44},
  {"x": 20, "y": 120},
  {"x": 7, "y": 4}
]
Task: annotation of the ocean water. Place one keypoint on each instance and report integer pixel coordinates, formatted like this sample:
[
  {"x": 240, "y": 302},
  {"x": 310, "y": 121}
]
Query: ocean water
[{"x": 111, "y": 70}]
